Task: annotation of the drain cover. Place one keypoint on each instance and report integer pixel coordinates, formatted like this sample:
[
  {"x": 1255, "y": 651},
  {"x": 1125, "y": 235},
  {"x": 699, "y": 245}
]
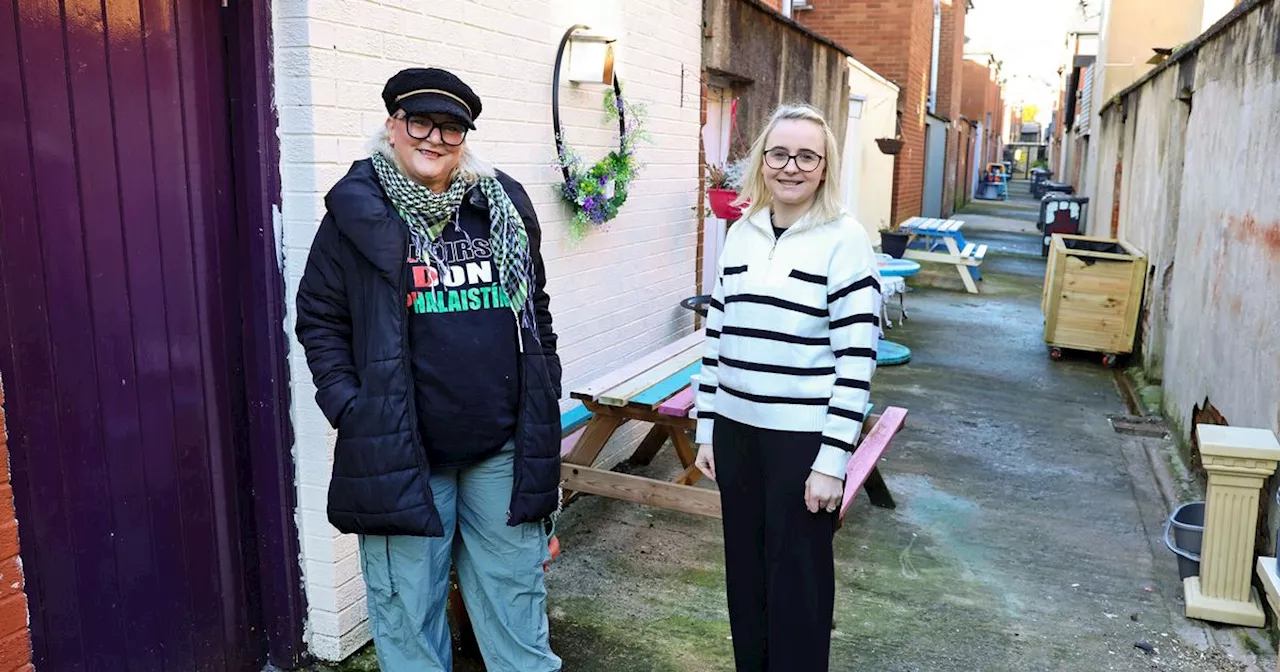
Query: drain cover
[{"x": 1135, "y": 425}]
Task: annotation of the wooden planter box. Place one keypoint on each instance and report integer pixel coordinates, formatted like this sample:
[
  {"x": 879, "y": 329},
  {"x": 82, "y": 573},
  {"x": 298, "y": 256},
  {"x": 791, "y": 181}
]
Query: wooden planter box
[{"x": 1092, "y": 298}]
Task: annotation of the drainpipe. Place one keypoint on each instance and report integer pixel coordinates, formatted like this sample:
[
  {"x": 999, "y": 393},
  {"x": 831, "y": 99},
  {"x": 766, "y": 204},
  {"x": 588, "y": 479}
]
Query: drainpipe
[
  {"x": 786, "y": 8},
  {"x": 933, "y": 65}
]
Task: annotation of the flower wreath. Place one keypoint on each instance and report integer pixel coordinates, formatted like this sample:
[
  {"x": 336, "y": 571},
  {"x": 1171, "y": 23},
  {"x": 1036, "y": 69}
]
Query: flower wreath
[{"x": 596, "y": 192}]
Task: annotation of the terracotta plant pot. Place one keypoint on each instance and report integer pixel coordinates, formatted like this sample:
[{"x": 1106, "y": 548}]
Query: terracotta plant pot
[
  {"x": 721, "y": 200},
  {"x": 889, "y": 145},
  {"x": 893, "y": 244}
]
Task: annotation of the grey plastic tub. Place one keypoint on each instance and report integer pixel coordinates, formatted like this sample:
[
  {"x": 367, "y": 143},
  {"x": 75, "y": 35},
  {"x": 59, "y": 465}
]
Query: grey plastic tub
[{"x": 1182, "y": 534}]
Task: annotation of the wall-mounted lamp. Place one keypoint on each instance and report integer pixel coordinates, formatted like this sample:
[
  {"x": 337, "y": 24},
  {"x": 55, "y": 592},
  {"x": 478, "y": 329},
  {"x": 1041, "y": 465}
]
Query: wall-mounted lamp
[{"x": 590, "y": 57}]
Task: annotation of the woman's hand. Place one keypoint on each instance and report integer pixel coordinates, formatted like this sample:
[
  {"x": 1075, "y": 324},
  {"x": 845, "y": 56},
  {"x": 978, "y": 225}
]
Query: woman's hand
[
  {"x": 822, "y": 492},
  {"x": 706, "y": 462}
]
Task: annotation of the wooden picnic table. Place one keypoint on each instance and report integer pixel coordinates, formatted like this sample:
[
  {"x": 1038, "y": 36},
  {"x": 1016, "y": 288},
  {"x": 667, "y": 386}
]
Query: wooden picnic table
[
  {"x": 932, "y": 233},
  {"x": 658, "y": 390}
]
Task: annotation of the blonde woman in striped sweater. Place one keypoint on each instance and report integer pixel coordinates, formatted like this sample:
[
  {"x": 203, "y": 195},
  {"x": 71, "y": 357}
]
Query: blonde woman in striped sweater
[{"x": 791, "y": 339}]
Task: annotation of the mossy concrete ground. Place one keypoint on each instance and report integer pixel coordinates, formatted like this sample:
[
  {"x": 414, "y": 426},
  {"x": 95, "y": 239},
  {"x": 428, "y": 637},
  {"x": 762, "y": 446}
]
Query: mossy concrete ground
[{"x": 1027, "y": 533}]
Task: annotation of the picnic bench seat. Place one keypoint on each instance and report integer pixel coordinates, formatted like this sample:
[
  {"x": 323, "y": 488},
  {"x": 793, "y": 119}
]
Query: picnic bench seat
[{"x": 933, "y": 233}]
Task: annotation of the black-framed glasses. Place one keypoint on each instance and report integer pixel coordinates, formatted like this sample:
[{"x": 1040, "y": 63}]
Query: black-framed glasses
[
  {"x": 806, "y": 161},
  {"x": 420, "y": 128}
]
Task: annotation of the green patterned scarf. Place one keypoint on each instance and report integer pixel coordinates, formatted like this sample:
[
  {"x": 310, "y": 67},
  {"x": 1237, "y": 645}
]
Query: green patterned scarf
[{"x": 428, "y": 213}]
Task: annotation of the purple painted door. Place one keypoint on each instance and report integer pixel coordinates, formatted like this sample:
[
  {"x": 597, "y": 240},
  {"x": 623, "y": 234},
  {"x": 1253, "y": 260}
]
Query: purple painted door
[{"x": 121, "y": 336}]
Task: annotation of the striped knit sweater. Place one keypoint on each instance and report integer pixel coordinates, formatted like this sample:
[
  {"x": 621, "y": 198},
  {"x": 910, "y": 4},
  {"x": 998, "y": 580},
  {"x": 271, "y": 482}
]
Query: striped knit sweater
[{"x": 792, "y": 333}]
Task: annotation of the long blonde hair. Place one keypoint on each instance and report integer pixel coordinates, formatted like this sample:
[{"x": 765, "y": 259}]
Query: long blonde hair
[{"x": 826, "y": 201}]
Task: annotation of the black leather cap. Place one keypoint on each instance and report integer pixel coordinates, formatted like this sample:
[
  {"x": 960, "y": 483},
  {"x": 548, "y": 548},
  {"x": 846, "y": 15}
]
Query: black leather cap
[{"x": 431, "y": 91}]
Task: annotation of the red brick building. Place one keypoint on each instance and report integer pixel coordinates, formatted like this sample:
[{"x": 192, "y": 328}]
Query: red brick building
[
  {"x": 981, "y": 103},
  {"x": 895, "y": 38},
  {"x": 950, "y": 78},
  {"x": 15, "y": 637}
]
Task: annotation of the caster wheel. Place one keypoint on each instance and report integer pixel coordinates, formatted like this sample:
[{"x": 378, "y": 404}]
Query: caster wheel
[
  {"x": 1109, "y": 361},
  {"x": 1055, "y": 354}
]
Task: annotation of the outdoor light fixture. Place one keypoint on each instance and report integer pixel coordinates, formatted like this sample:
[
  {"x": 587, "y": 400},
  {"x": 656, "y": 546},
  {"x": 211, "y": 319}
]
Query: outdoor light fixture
[{"x": 590, "y": 56}]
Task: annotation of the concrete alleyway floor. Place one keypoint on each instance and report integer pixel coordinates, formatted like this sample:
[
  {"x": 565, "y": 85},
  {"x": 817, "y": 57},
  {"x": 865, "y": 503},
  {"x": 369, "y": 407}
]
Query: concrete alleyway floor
[{"x": 1027, "y": 533}]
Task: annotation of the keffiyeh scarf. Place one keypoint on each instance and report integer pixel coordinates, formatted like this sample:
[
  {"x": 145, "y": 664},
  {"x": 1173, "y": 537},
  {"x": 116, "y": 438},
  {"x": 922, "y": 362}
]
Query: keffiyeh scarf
[{"x": 428, "y": 213}]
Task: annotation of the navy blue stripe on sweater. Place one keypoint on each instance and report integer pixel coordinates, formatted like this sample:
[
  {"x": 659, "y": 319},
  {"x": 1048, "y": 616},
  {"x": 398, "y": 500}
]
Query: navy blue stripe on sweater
[
  {"x": 768, "y": 399},
  {"x": 776, "y": 302},
  {"x": 779, "y": 336},
  {"x": 776, "y": 368},
  {"x": 864, "y": 283},
  {"x": 864, "y": 318}
]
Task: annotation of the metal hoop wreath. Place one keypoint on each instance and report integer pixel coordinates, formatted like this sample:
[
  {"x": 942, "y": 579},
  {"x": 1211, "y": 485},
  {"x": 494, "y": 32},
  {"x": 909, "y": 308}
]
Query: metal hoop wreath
[{"x": 555, "y": 101}]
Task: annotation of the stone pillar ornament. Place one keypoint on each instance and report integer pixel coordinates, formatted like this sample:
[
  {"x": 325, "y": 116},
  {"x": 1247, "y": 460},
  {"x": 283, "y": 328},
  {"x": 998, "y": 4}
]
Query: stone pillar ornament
[{"x": 1238, "y": 461}]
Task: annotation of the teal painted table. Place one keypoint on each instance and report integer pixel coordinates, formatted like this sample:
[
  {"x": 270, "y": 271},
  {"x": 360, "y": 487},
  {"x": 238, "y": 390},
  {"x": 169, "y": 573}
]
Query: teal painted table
[{"x": 889, "y": 353}]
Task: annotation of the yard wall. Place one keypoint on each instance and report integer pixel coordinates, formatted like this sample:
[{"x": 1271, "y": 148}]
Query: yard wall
[
  {"x": 1196, "y": 140},
  {"x": 767, "y": 60}
]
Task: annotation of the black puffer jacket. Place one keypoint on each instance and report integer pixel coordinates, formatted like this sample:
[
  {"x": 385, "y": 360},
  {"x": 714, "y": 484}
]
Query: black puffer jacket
[{"x": 352, "y": 321}]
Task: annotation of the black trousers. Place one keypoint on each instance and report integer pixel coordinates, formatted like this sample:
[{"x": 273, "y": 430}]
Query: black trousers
[{"x": 779, "y": 562}]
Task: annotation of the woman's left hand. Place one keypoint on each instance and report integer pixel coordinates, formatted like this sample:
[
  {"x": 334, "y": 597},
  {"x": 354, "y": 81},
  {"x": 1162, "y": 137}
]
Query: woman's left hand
[{"x": 823, "y": 492}]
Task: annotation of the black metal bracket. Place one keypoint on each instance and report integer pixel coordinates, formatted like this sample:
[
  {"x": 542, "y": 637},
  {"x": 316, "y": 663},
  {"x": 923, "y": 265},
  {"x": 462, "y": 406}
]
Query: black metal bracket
[{"x": 555, "y": 100}]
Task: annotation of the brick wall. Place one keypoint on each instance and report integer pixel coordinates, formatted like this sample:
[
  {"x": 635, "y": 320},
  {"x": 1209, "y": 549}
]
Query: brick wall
[
  {"x": 964, "y": 165},
  {"x": 974, "y": 90},
  {"x": 614, "y": 296},
  {"x": 950, "y": 77},
  {"x": 15, "y": 635},
  {"x": 951, "y": 58},
  {"x": 875, "y": 33},
  {"x": 995, "y": 130}
]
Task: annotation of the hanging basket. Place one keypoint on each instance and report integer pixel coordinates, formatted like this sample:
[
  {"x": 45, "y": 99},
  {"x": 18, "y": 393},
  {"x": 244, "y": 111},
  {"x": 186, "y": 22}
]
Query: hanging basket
[
  {"x": 721, "y": 203},
  {"x": 889, "y": 145}
]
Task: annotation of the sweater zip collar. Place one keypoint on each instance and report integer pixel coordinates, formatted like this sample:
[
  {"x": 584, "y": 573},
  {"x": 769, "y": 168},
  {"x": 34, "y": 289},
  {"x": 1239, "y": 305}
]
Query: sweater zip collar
[{"x": 763, "y": 222}]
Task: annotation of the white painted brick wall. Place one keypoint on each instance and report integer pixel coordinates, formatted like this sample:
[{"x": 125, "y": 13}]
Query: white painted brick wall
[{"x": 614, "y": 296}]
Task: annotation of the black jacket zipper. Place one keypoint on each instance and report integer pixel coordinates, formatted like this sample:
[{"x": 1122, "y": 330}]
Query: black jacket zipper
[{"x": 412, "y": 389}]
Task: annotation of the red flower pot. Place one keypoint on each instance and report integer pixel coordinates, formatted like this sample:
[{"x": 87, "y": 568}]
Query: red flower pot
[{"x": 721, "y": 200}]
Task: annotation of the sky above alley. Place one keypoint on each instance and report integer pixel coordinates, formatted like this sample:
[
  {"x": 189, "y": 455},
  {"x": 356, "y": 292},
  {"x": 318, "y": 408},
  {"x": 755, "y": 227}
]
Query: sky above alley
[{"x": 1029, "y": 37}]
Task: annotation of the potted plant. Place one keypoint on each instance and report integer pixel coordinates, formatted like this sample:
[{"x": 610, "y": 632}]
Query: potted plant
[
  {"x": 893, "y": 242},
  {"x": 723, "y": 183}
]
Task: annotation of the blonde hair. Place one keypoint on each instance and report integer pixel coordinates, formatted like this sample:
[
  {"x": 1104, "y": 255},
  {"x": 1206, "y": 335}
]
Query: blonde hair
[
  {"x": 471, "y": 166},
  {"x": 826, "y": 201}
]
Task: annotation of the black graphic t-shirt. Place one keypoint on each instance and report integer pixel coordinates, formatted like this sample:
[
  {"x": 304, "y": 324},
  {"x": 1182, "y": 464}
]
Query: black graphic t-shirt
[{"x": 465, "y": 356}]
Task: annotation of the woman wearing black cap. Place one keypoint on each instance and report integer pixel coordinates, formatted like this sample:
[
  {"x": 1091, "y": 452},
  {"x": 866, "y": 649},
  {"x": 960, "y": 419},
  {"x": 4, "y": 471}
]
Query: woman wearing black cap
[{"x": 427, "y": 329}]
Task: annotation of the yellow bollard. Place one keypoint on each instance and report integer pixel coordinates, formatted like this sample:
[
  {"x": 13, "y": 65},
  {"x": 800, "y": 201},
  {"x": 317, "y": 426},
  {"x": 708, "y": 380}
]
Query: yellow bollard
[{"x": 1238, "y": 461}]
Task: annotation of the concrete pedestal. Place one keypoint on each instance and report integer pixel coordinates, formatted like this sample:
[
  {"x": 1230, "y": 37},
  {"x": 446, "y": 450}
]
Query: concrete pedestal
[
  {"x": 1238, "y": 461},
  {"x": 1271, "y": 585}
]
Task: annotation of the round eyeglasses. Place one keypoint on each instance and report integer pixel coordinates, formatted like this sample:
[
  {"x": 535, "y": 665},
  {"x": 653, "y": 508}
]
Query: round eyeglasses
[
  {"x": 806, "y": 161},
  {"x": 420, "y": 128}
]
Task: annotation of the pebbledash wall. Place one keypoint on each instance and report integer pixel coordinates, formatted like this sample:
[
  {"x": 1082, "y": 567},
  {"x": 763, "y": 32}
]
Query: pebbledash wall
[{"x": 615, "y": 295}]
